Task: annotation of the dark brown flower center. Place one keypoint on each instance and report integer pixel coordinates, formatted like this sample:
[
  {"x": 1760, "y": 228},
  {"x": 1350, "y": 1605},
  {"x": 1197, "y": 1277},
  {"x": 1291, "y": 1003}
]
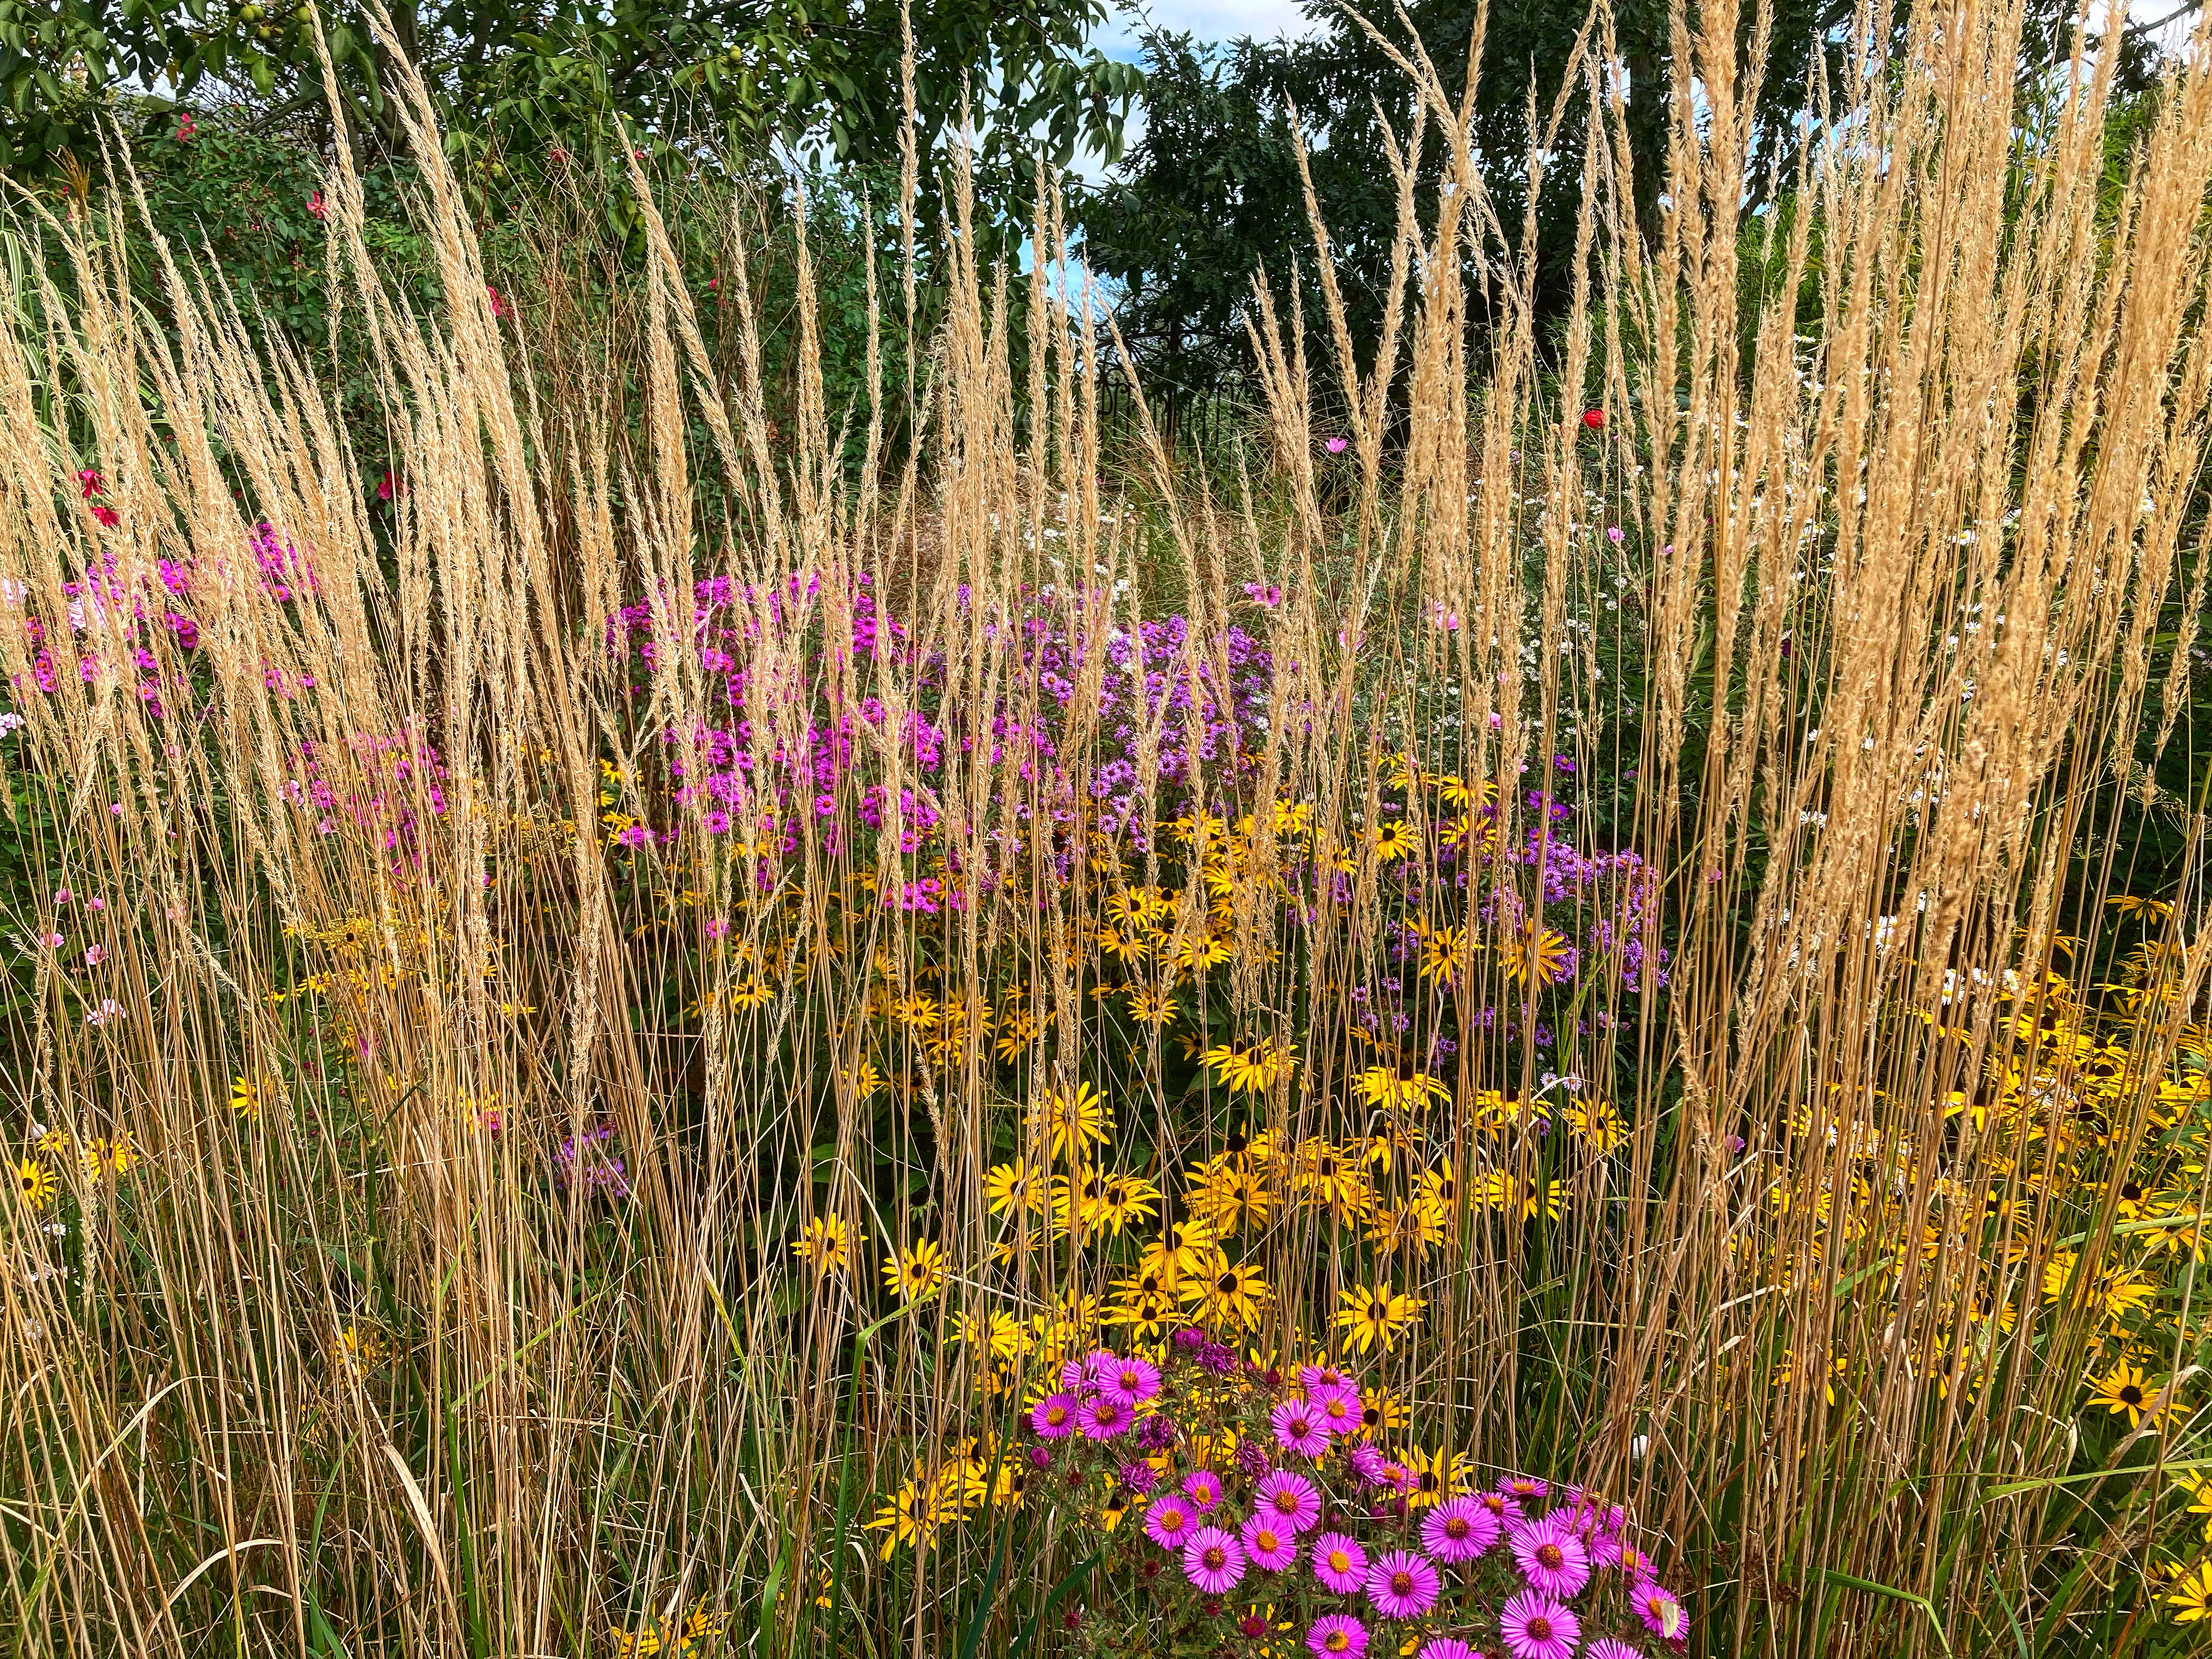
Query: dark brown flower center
[
  {"x": 1550, "y": 1554},
  {"x": 1538, "y": 1629},
  {"x": 1456, "y": 1528},
  {"x": 1214, "y": 1556},
  {"x": 2131, "y": 1395},
  {"x": 1401, "y": 1584}
]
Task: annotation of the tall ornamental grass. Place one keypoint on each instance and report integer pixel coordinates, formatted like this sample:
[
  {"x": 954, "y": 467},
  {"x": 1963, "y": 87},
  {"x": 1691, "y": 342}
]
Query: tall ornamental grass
[{"x": 591, "y": 1024}]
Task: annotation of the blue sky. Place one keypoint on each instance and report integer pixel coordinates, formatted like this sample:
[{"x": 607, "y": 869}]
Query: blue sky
[{"x": 1209, "y": 19}]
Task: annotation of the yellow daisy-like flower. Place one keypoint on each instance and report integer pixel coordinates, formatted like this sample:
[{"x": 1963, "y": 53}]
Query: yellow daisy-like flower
[
  {"x": 1547, "y": 958},
  {"x": 910, "y": 1516},
  {"x": 1014, "y": 1188},
  {"x": 1597, "y": 1124},
  {"x": 1376, "y": 1318},
  {"x": 1417, "y": 1226},
  {"x": 2192, "y": 1598},
  {"x": 1380, "y": 1412},
  {"x": 1151, "y": 1007},
  {"x": 1396, "y": 841},
  {"x": 1075, "y": 1122},
  {"x": 1123, "y": 1200},
  {"x": 2124, "y": 1391},
  {"x": 824, "y": 1244},
  {"x": 1434, "y": 1476},
  {"x": 1325, "y": 1178},
  {"x": 245, "y": 1097},
  {"x": 917, "y": 1275},
  {"x": 1446, "y": 954},
  {"x": 1249, "y": 1071},
  {"x": 34, "y": 1183},
  {"x": 358, "y": 1347},
  {"x": 1145, "y": 1302},
  {"x": 1232, "y": 1191},
  {"x": 1381, "y": 1087},
  {"x": 701, "y": 1625},
  {"x": 1228, "y": 1291},
  {"x": 1502, "y": 1191}
]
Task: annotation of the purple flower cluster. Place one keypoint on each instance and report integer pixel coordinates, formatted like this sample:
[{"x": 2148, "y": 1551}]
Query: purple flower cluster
[
  {"x": 581, "y": 1163},
  {"x": 1207, "y": 696},
  {"x": 1537, "y": 1576}
]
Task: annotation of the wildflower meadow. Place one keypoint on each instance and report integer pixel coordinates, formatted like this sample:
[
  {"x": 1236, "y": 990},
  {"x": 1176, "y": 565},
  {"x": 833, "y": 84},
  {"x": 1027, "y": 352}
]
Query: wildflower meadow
[{"x": 663, "y": 995}]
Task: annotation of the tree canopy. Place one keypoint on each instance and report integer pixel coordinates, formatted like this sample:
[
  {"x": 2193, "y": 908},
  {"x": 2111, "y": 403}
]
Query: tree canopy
[{"x": 517, "y": 76}]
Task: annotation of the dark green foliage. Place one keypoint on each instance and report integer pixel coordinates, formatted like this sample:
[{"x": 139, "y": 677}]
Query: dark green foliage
[{"x": 519, "y": 80}]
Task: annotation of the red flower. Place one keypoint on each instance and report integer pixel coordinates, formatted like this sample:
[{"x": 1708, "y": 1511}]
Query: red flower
[
  {"x": 498, "y": 305},
  {"x": 319, "y": 207},
  {"x": 107, "y": 515},
  {"x": 1594, "y": 419},
  {"x": 90, "y": 483},
  {"x": 385, "y": 486},
  {"x": 187, "y": 128}
]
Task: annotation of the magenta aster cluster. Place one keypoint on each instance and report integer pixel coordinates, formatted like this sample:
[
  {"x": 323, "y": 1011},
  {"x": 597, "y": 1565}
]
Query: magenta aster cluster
[{"x": 1222, "y": 1490}]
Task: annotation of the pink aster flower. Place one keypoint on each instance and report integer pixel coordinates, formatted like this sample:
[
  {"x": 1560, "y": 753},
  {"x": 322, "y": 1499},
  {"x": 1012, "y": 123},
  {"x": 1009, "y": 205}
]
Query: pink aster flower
[
  {"x": 1132, "y": 1381},
  {"x": 1298, "y": 1429},
  {"x": 1339, "y": 1408},
  {"x": 1168, "y": 1523},
  {"x": 1315, "y": 1379},
  {"x": 1458, "y": 1530},
  {"x": 1661, "y": 1613},
  {"x": 1369, "y": 1465},
  {"x": 1269, "y": 1543},
  {"x": 1607, "y": 1647},
  {"x": 1290, "y": 1498},
  {"x": 1338, "y": 1636},
  {"x": 1053, "y": 1416},
  {"x": 1103, "y": 1417},
  {"x": 1339, "y": 1563},
  {"x": 1619, "y": 1553},
  {"x": 1536, "y": 1627},
  {"x": 1402, "y": 1584},
  {"x": 1526, "y": 1488},
  {"x": 1502, "y": 1504},
  {"x": 1447, "y": 1647},
  {"x": 1212, "y": 1560},
  {"x": 1552, "y": 1559},
  {"x": 1203, "y": 1489}
]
